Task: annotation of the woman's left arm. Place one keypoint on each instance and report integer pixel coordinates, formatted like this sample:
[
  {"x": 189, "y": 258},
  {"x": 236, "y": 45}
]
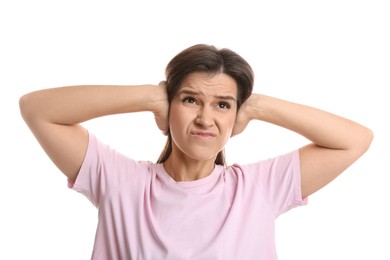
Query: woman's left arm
[{"x": 337, "y": 142}]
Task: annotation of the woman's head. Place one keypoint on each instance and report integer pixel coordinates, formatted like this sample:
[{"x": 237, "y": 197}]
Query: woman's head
[{"x": 207, "y": 60}]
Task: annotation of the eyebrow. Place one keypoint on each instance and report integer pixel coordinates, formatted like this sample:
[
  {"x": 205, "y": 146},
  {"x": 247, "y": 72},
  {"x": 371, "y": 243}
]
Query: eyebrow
[{"x": 192, "y": 92}]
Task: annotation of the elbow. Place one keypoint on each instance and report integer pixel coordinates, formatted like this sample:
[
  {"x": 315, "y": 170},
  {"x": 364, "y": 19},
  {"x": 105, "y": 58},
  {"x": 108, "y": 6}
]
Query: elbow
[
  {"x": 365, "y": 139},
  {"x": 26, "y": 107},
  {"x": 369, "y": 138},
  {"x": 23, "y": 105}
]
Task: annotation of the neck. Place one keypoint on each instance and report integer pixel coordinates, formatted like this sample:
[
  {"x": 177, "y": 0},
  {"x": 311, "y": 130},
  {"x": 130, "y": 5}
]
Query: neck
[{"x": 183, "y": 168}]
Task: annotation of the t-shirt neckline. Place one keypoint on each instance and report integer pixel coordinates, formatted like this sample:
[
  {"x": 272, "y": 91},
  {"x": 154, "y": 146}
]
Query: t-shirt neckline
[{"x": 191, "y": 184}]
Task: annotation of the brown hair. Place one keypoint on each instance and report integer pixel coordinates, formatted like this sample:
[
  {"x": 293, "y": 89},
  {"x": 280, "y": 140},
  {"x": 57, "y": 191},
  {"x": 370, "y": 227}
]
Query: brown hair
[{"x": 207, "y": 59}]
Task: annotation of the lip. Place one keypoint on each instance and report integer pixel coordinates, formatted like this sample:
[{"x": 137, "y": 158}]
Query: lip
[{"x": 203, "y": 134}]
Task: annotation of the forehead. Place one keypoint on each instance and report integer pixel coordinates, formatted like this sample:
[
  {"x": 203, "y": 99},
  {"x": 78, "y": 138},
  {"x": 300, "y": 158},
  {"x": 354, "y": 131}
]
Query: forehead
[{"x": 210, "y": 83}]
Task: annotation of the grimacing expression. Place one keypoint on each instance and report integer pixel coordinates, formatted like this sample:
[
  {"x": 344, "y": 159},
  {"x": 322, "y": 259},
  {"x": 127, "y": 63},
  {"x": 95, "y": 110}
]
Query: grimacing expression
[{"x": 202, "y": 115}]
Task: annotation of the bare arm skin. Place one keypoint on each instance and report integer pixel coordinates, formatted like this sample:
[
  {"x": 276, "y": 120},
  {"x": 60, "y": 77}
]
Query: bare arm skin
[
  {"x": 54, "y": 116},
  {"x": 337, "y": 142}
]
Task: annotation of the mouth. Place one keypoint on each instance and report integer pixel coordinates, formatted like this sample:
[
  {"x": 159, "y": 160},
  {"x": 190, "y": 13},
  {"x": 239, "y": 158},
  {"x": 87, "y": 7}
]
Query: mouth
[{"x": 203, "y": 134}]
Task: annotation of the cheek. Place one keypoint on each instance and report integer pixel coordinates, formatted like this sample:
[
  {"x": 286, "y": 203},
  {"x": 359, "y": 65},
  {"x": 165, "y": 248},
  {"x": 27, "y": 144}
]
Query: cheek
[
  {"x": 228, "y": 124},
  {"x": 178, "y": 118},
  {"x": 230, "y": 121}
]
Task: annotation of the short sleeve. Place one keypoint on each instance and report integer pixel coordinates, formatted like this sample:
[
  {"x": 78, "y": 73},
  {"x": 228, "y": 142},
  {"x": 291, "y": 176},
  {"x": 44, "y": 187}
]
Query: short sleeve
[
  {"x": 102, "y": 170},
  {"x": 88, "y": 181},
  {"x": 280, "y": 181},
  {"x": 105, "y": 171}
]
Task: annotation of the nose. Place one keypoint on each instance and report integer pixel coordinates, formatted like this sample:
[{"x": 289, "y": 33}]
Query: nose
[{"x": 205, "y": 117}]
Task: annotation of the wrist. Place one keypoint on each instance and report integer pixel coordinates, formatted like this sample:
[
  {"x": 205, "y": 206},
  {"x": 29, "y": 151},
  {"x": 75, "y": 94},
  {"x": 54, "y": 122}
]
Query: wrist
[
  {"x": 158, "y": 98},
  {"x": 252, "y": 107}
]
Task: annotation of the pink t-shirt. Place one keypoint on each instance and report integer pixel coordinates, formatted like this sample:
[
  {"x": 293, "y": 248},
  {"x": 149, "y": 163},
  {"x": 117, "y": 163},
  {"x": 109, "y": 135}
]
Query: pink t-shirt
[{"x": 145, "y": 214}]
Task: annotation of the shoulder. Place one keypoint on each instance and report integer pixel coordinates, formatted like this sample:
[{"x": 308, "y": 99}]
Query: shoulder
[
  {"x": 267, "y": 166},
  {"x": 103, "y": 160}
]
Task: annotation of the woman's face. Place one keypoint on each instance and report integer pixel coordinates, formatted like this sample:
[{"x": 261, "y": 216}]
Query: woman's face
[{"x": 202, "y": 115}]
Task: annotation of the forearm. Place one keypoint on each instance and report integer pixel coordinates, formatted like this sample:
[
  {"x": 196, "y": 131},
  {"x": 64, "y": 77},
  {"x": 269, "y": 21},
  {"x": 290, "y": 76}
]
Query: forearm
[
  {"x": 322, "y": 128},
  {"x": 76, "y": 104}
]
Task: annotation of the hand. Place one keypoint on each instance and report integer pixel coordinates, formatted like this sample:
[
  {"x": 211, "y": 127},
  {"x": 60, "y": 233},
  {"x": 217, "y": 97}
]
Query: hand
[
  {"x": 162, "y": 110},
  {"x": 242, "y": 118}
]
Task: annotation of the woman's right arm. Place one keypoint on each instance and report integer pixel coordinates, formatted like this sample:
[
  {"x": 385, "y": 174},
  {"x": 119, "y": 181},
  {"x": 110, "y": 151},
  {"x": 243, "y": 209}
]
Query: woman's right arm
[{"x": 54, "y": 116}]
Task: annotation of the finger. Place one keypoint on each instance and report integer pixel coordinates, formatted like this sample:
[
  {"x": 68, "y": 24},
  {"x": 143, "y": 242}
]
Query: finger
[{"x": 163, "y": 82}]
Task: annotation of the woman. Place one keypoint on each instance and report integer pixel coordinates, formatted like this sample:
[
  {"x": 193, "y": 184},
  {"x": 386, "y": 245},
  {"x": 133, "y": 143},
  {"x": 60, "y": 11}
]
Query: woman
[{"x": 190, "y": 205}]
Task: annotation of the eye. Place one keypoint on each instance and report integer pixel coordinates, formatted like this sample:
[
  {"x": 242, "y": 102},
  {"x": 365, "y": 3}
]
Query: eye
[
  {"x": 224, "y": 105},
  {"x": 189, "y": 100}
]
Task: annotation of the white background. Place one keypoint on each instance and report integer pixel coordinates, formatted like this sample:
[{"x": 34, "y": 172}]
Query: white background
[{"x": 330, "y": 54}]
